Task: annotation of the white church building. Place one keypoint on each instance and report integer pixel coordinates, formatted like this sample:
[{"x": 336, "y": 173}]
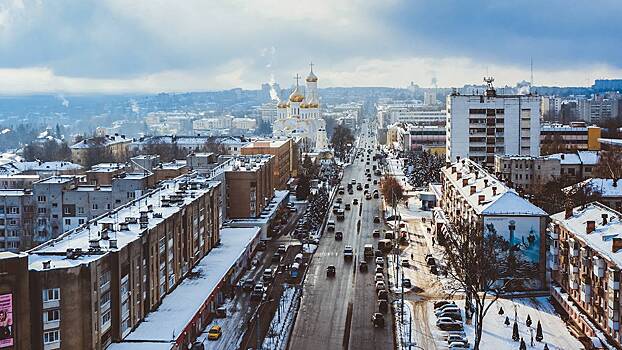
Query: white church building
[{"x": 300, "y": 117}]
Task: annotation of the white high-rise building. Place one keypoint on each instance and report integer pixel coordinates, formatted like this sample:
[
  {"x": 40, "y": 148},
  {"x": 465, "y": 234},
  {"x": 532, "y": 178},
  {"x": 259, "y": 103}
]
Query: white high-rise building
[
  {"x": 482, "y": 126},
  {"x": 300, "y": 116}
]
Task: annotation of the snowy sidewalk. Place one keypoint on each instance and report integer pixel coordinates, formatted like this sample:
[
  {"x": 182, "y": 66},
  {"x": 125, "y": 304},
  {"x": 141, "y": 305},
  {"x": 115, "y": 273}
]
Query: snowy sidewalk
[{"x": 283, "y": 320}]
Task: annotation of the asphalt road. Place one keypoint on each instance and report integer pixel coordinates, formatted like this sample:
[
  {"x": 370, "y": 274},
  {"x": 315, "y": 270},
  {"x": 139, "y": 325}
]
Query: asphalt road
[{"x": 335, "y": 313}]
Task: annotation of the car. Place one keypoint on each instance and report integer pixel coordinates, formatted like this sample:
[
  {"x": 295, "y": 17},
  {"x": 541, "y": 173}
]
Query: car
[
  {"x": 330, "y": 226},
  {"x": 377, "y": 320},
  {"x": 282, "y": 249},
  {"x": 430, "y": 261},
  {"x": 339, "y": 200},
  {"x": 376, "y": 233},
  {"x": 348, "y": 252},
  {"x": 341, "y": 191},
  {"x": 379, "y": 269},
  {"x": 248, "y": 284},
  {"x": 453, "y": 315},
  {"x": 350, "y": 191},
  {"x": 458, "y": 346},
  {"x": 348, "y": 207},
  {"x": 383, "y": 295},
  {"x": 440, "y": 303},
  {"x": 451, "y": 305},
  {"x": 379, "y": 277},
  {"x": 214, "y": 333},
  {"x": 261, "y": 246},
  {"x": 375, "y": 183},
  {"x": 368, "y": 196},
  {"x": 446, "y": 334},
  {"x": 366, "y": 186},
  {"x": 363, "y": 266},
  {"x": 268, "y": 275},
  {"x": 405, "y": 263},
  {"x": 341, "y": 214},
  {"x": 353, "y": 182},
  {"x": 338, "y": 236},
  {"x": 377, "y": 221},
  {"x": 447, "y": 321},
  {"x": 355, "y": 201},
  {"x": 376, "y": 195},
  {"x": 293, "y": 210},
  {"x": 258, "y": 290},
  {"x": 383, "y": 306},
  {"x": 378, "y": 253},
  {"x": 359, "y": 187},
  {"x": 439, "y": 312},
  {"x": 380, "y": 285},
  {"x": 276, "y": 257},
  {"x": 380, "y": 261},
  {"x": 336, "y": 207},
  {"x": 406, "y": 283},
  {"x": 331, "y": 271},
  {"x": 451, "y": 338}
]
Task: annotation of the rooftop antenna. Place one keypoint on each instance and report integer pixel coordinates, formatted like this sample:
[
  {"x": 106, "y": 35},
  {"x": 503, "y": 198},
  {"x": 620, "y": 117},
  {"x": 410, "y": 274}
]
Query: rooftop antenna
[{"x": 531, "y": 66}]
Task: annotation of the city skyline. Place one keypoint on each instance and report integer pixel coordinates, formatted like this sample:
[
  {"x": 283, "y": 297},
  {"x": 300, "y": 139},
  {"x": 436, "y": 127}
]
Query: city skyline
[{"x": 114, "y": 47}]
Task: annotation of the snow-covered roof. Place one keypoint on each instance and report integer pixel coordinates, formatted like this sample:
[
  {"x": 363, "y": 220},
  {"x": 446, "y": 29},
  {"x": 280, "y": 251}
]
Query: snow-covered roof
[
  {"x": 613, "y": 142},
  {"x": 608, "y": 188},
  {"x": 566, "y": 158},
  {"x": 247, "y": 163},
  {"x": 54, "y": 250},
  {"x": 101, "y": 141},
  {"x": 588, "y": 157},
  {"x": 498, "y": 199},
  {"x": 16, "y": 167},
  {"x": 179, "y": 307},
  {"x": 601, "y": 238}
]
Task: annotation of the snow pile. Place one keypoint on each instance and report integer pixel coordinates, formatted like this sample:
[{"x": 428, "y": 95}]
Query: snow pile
[
  {"x": 403, "y": 325},
  {"x": 283, "y": 320}
]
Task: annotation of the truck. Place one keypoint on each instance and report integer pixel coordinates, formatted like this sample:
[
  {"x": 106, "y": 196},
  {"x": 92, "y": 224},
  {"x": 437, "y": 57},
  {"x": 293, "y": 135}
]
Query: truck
[{"x": 368, "y": 251}]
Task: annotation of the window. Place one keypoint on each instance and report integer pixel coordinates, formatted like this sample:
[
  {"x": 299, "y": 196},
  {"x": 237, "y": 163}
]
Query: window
[
  {"x": 80, "y": 210},
  {"x": 51, "y": 294},
  {"x": 104, "y": 279},
  {"x": 67, "y": 221},
  {"x": 51, "y": 315},
  {"x": 108, "y": 206},
  {"x": 66, "y": 211},
  {"x": 105, "y": 320},
  {"x": 14, "y": 210},
  {"x": 131, "y": 195},
  {"x": 41, "y": 221},
  {"x": 51, "y": 336},
  {"x": 80, "y": 221},
  {"x": 41, "y": 199},
  {"x": 104, "y": 301},
  {"x": 41, "y": 210},
  {"x": 95, "y": 206}
]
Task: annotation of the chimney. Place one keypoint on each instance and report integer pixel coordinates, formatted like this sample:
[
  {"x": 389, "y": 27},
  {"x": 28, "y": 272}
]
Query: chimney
[
  {"x": 605, "y": 217},
  {"x": 473, "y": 189},
  {"x": 458, "y": 159},
  {"x": 615, "y": 182},
  {"x": 563, "y": 156},
  {"x": 485, "y": 182},
  {"x": 465, "y": 182},
  {"x": 494, "y": 190},
  {"x": 481, "y": 198},
  {"x": 47, "y": 264},
  {"x": 458, "y": 176},
  {"x": 590, "y": 226},
  {"x": 568, "y": 213},
  {"x": 453, "y": 169},
  {"x": 616, "y": 244}
]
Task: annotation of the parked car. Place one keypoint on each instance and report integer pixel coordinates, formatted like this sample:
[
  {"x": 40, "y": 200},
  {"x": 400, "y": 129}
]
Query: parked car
[
  {"x": 355, "y": 201},
  {"x": 214, "y": 333},
  {"x": 383, "y": 295},
  {"x": 377, "y": 320},
  {"x": 447, "y": 323},
  {"x": 376, "y": 233},
  {"x": 451, "y": 338},
  {"x": 347, "y": 206},
  {"x": 330, "y": 226},
  {"x": 383, "y": 306},
  {"x": 380, "y": 261},
  {"x": 363, "y": 266},
  {"x": 248, "y": 284},
  {"x": 405, "y": 263},
  {"x": 282, "y": 249},
  {"x": 339, "y": 200},
  {"x": 379, "y": 277},
  {"x": 380, "y": 285},
  {"x": 440, "y": 303},
  {"x": 348, "y": 252},
  {"x": 331, "y": 271},
  {"x": 454, "y": 315},
  {"x": 267, "y": 275},
  {"x": 276, "y": 257},
  {"x": 407, "y": 283},
  {"x": 261, "y": 246},
  {"x": 458, "y": 346}
]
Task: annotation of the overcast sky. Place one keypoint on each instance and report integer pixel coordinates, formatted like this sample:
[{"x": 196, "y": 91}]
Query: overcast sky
[{"x": 81, "y": 46}]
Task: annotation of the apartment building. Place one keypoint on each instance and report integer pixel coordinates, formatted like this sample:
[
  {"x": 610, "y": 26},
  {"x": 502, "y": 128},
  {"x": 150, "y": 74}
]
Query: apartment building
[
  {"x": 530, "y": 173},
  {"x": 249, "y": 185},
  {"x": 103, "y": 173},
  {"x": 14, "y": 285},
  {"x": 471, "y": 194},
  {"x": 16, "y": 219},
  {"x": 417, "y": 138},
  {"x": 94, "y": 284},
  {"x": 287, "y": 154},
  {"x": 576, "y": 136},
  {"x": 584, "y": 261},
  {"x": 17, "y": 181},
  {"x": 610, "y": 190},
  {"x": 480, "y": 126},
  {"x": 85, "y": 151}
]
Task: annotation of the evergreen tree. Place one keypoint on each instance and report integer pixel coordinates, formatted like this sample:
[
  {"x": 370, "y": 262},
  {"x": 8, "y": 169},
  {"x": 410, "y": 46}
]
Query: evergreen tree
[
  {"x": 528, "y": 322},
  {"x": 522, "y": 346},
  {"x": 515, "y": 335},
  {"x": 539, "y": 335},
  {"x": 501, "y": 312},
  {"x": 303, "y": 188},
  {"x": 507, "y": 321}
]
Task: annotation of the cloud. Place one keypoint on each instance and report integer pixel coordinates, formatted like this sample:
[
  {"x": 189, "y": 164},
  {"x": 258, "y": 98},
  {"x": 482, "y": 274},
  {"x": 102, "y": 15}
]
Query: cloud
[{"x": 152, "y": 46}]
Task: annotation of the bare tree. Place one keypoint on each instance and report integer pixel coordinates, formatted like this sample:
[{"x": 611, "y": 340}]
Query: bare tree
[
  {"x": 609, "y": 165},
  {"x": 392, "y": 191},
  {"x": 483, "y": 265}
]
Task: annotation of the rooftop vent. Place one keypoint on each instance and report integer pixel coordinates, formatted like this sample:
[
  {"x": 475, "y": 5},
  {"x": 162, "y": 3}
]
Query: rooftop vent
[
  {"x": 112, "y": 244},
  {"x": 590, "y": 226},
  {"x": 47, "y": 264}
]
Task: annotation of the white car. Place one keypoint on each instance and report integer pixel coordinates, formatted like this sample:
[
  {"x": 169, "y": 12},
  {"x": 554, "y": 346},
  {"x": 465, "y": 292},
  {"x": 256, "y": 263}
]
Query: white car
[
  {"x": 380, "y": 261},
  {"x": 452, "y": 338},
  {"x": 447, "y": 309},
  {"x": 458, "y": 346},
  {"x": 379, "y": 277},
  {"x": 380, "y": 285}
]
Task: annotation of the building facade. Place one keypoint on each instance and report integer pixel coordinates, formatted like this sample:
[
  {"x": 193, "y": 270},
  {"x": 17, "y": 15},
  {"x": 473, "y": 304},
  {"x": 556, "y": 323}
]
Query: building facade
[
  {"x": 482, "y": 126},
  {"x": 287, "y": 155},
  {"x": 576, "y": 136},
  {"x": 470, "y": 194},
  {"x": 87, "y": 151},
  {"x": 584, "y": 261},
  {"x": 249, "y": 185}
]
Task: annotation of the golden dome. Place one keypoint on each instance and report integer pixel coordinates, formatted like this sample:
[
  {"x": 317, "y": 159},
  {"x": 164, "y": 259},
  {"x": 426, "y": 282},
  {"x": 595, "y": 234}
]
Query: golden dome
[
  {"x": 296, "y": 96},
  {"x": 304, "y": 105},
  {"x": 311, "y": 78},
  {"x": 282, "y": 104},
  {"x": 314, "y": 105}
]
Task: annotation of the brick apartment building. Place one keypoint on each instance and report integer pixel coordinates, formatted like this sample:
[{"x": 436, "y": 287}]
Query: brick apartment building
[
  {"x": 584, "y": 261},
  {"x": 250, "y": 185},
  {"x": 94, "y": 284},
  {"x": 287, "y": 154}
]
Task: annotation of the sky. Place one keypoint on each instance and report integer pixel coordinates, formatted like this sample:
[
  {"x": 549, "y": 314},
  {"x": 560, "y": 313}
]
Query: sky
[{"x": 150, "y": 46}]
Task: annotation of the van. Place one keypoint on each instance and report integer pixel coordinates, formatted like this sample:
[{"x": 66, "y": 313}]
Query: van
[
  {"x": 298, "y": 258},
  {"x": 368, "y": 251},
  {"x": 267, "y": 275},
  {"x": 385, "y": 245}
]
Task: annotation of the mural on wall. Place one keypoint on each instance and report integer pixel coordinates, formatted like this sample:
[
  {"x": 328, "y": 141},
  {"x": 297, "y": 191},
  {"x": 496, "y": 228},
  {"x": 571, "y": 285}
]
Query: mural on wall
[
  {"x": 6, "y": 320},
  {"x": 522, "y": 235}
]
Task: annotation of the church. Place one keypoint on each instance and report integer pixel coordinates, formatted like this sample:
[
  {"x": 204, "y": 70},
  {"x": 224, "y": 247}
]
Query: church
[{"x": 300, "y": 117}]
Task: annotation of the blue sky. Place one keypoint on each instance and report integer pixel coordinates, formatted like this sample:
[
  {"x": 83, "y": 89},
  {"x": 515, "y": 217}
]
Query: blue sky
[{"x": 155, "y": 45}]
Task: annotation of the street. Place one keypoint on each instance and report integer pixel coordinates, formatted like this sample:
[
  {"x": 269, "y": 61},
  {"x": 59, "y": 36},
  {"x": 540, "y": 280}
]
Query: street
[{"x": 335, "y": 313}]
